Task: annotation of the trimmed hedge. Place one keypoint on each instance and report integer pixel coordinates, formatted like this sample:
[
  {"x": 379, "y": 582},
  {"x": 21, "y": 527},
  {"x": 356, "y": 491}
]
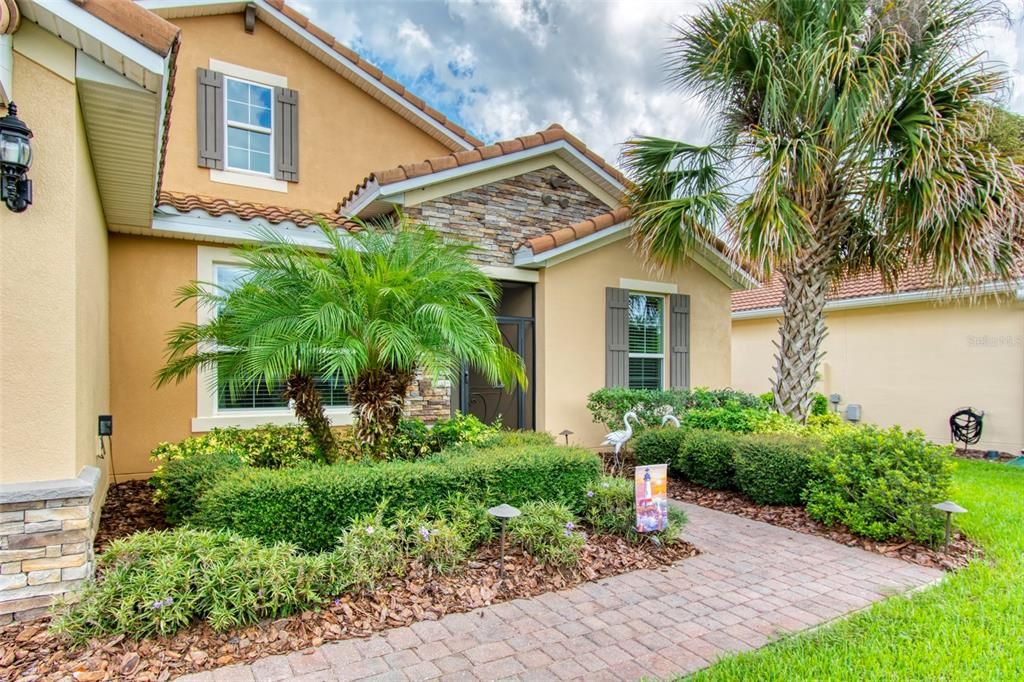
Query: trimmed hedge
[
  {"x": 706, "y": 458},
  {"x": 773, "y": 468},
  {"x": 181, "y": 482},
  {"x": 608, "y": 405},
  {"x": 268, "y": 445},
  {"x": 311, "y": 506},
  {"x": 660, "y": 446}
]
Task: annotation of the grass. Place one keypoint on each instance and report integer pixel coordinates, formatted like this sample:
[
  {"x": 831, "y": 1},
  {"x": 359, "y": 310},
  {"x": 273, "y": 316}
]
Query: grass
[{"x": 970, "y": 627}]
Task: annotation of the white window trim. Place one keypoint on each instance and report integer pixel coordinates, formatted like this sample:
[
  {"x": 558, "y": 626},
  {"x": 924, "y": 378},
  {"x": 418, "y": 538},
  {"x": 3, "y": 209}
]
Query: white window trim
[
  {"x": 208, "y": 415},
  {"x": 243, "y": 178},
  {"x": 666, "y": 288}
]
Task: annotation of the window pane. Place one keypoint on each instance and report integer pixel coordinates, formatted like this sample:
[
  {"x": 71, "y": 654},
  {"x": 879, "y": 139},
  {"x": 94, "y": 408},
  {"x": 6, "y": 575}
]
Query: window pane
[
  {"x": 237, "y": 112},
  {"x": 259, "y": 142},
  {"x": 238, "y": 158},
  {"x": 248, "y": 150},
  {"x": 259, "y": 162},
  {"x": 645, "y": 373},
  {"x": 646, "y": 323},
  {"x": 238, "y": 138},
  {"x": 238, "y": 91}
]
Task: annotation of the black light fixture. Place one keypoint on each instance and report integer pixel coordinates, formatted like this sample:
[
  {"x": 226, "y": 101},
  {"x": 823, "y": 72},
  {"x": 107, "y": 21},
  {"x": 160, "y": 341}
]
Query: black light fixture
[{"x": 15, "y": 159}]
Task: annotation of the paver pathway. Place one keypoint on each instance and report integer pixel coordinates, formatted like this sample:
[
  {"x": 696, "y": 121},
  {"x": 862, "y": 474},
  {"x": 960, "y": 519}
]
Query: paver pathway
[{"x": 752, "y": 582}]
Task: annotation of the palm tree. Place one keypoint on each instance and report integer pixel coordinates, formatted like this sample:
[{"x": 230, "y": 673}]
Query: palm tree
[
  {"x": 848, "y": 136},
  {"x": 373, "y": 309}
]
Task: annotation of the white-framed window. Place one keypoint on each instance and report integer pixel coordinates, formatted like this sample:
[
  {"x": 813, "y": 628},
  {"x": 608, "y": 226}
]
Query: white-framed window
[
  {"x": 646, "y": 341},
  {"x": 249, "y": 120},
  {"x": 216, "y": 407}
]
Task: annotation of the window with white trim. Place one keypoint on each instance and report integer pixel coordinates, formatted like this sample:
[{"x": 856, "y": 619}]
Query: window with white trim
[
  {"x": 229, "y": 276},
  {"x": 250, "y": 126},
  {"x": 646, "y": 341}
]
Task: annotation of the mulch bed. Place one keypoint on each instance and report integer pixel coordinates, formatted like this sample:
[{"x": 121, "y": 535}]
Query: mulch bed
[
  {"x": 971, "y": 453},
  {"x": 961, "y": 550},
  {"x": 30, "y": 652},
  {"x": 128, "y": 509}
]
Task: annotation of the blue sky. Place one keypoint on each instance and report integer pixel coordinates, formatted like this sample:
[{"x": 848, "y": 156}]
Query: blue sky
[{"x": 504, "y": 68}]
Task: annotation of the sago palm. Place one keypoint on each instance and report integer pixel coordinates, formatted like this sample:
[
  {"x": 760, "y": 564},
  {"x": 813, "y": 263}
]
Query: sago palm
[
  {"x": 848, "y": 136},
  {"x": 373, "y": 309}
]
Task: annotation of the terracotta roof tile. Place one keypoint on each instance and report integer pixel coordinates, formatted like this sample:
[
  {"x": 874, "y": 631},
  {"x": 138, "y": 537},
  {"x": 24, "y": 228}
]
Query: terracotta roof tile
[
  {"x": 351, "y": 56},
  {"x": 553, "y": 133},
  {"x": 216, "y": 206},
  {"x": 139, "y": 24},
  {"x": 587, "y": 227},
  {"x": 918, "y": 278}
]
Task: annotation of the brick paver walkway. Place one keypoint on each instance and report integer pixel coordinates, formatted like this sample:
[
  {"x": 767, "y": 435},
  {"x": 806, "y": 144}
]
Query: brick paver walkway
[{"x": 753, "y": 582}]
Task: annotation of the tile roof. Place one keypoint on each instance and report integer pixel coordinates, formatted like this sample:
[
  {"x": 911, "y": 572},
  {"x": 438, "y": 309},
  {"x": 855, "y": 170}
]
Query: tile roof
[
  {"x": 570, "y": 233},
  {"x": 918, "y": 278},
  {"x": 246, "y": 210},
  {"x": 139, "y": 24},
  {"x": 389, "y": 83},
  {"x": 481, "y": 152}
]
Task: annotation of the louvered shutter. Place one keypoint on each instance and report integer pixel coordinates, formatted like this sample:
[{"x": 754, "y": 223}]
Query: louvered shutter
[
  {"x": 679, "y": 341},
  {"x": 616, "y": 331},
  {"x": 286, "y": 134},
  {"x": 210, "y": 123}
]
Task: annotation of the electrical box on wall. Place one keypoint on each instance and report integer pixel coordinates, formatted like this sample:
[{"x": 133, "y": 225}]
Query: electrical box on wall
[
  {"x": 853, "y": 412},
  {"x": 106, "y": 425}
]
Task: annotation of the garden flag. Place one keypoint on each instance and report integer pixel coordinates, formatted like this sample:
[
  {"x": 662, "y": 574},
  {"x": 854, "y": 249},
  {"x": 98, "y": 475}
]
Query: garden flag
[{"x": 651, "y": 497}]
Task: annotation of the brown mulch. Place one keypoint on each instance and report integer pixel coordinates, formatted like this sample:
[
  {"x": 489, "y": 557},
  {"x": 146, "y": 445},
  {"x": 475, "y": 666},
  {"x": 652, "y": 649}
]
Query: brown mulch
[
  {"x": 128, "y": 509},
  {"x": 961, "y": 550},
  {"x": 30, "y": 652}
]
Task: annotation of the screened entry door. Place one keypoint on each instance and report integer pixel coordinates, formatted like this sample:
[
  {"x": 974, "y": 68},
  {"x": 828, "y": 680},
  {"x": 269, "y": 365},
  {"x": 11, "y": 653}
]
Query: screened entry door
[{"x": 491, "y": 402}]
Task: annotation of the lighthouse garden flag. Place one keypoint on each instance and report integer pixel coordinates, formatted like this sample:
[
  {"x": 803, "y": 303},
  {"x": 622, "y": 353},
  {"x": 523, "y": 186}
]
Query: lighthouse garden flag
[{"x": 651, "y": 497}]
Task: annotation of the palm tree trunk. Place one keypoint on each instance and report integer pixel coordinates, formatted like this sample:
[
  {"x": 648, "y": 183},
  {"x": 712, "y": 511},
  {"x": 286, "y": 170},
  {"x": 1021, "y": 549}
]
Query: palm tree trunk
[
  {"x": 300, "y": 389},
  {"x": 378, "y": 397},
  {"x": 800, "y": 335}
]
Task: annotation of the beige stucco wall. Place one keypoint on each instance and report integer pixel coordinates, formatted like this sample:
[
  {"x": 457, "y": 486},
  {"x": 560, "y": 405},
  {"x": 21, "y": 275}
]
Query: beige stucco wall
[
  {"x": 53, "y": 277},
  {"x": 571, "y": 336},
  {"x": 343, "y": 132},
  {"x": 145, "y": 273},
  {"x": 912, "y": 364}
]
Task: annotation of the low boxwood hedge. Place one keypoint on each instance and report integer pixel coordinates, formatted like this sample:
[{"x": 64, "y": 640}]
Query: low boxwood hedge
[
  {"x": 773, "y": 468},
  {"x": 706, "y": 458},
  {"x": 180, "y": 482},
  {"x": 311, "y": 506},
  {"x": 660, "y": 446}
]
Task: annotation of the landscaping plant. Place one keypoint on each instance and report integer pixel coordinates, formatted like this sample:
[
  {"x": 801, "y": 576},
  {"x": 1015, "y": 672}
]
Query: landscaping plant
[
  {"x": 608, "y": 405},
  {"x": 881, "y": 483},
  {"x": 547, "y": 530},
  {"x": 706, "y": 458},
  {"x": 180, "y": 483},
  {"x": 847, "y": 137},
  {"x": 374, "y": 309},
  {"x": 370, "y": 548},
  {"x": 611, "y": 509},
  {"x": 660, "y": 446},
  {"x": 267, "y": 445},
  {"x": 773, "y": 468}
]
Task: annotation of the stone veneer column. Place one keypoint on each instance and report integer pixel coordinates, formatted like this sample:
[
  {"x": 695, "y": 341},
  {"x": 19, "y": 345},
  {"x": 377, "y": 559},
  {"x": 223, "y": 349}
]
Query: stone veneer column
[{"x": 46, "y": 533}]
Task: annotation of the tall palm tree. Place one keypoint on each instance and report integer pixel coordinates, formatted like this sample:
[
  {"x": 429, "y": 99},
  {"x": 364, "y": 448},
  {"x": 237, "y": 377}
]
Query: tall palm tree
[
  {"x": 848, "y": 136},
  {"x": 373, "y": 309}
]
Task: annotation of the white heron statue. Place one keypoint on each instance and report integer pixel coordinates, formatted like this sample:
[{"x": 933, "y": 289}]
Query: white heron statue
[
  {"x": 618, "y": 439},
  {"x": 670, "y": 419}
]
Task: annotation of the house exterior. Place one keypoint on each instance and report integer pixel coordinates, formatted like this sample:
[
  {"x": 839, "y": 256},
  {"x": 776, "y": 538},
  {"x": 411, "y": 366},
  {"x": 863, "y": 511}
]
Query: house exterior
[
  {"x": 910, "y": 357},
  {"x": 165, "y": 132}
]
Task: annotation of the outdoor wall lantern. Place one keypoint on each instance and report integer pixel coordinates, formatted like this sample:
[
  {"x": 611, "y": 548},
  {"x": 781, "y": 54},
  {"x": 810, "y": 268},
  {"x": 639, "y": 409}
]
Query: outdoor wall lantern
[{"x": 15, "y": 159}]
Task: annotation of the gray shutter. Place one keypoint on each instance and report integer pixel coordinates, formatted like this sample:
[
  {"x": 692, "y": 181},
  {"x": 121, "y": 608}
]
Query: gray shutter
[
  {"x": 679, "y": 341},
  {"x": 616, "y": 334},
  {"x": 210, "y": 123},
  {"x": 286, "y": 134}
]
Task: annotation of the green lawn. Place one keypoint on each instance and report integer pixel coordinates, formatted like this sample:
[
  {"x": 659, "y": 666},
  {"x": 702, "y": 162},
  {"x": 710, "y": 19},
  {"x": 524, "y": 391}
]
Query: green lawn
[{"x": 970, "y": 627}]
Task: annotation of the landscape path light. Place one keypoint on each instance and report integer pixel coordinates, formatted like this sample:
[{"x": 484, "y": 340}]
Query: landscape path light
[
  {"x": 503, "y": 512},
  {"x": 950, "y": 508}
]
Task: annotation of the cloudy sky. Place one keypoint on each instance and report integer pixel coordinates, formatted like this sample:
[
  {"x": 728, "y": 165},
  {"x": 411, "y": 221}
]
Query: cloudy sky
[{"x": 503, "y": 68}]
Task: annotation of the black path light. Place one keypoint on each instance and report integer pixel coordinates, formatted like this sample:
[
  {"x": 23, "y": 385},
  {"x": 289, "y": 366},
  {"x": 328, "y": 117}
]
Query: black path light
[
  {"x": 503, "y": 512},
  {"x": 565, "y": 433},
  {"x": 15, "y": 160},
  {"x": 950, "y": 508}
]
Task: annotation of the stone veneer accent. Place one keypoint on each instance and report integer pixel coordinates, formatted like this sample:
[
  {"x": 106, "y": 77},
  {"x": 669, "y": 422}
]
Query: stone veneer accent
[
  {"x": 428, "y": 400},
  {"x": 46, "y": 533},
  {"x": 500, "y": 216}
]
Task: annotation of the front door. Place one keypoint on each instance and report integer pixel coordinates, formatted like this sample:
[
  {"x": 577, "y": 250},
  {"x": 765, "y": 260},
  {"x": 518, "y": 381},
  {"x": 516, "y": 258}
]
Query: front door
[{"x": 495, "y": 403}]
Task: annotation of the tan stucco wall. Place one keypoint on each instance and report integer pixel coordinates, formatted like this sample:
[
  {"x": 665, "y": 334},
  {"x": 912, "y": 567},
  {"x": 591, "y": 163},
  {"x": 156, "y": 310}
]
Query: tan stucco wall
[
  {"x": 911, "y": 364},
  {"x": 53, "y": 275},
  {"x": 145, "y": 273},
  {"x": 571, "y": 336},
  {"x": 343, "y": 132}
]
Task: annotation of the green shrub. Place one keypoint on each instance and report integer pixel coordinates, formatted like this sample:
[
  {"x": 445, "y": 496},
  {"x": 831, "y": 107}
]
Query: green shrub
[
  {"x": 547, "y": 530},
  {"x": 706, "y": 458},
  {"x": 659, "y": 446},
  {"x": 462, "y": 429},
  {"x": 180, "y": 482},
  {"x": 155, "y": 583},
  {"x": 768, "y": 398},
  {"x": 881, "y": 483},
  {"x": 611, "y": 509},
  {"x": 311, "y": 505},
  {"x": 773, "y": 468},
  {"x": 608, "y": 405},
  {"x": 370, "y": 549},
  {"x": 819, "y": 404},
  {"x": 518, "y": 439},
  {"x": 434, "y": 540},
  {"x": 731, "y": 417},
  {"x": 263, "y": 446}
]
